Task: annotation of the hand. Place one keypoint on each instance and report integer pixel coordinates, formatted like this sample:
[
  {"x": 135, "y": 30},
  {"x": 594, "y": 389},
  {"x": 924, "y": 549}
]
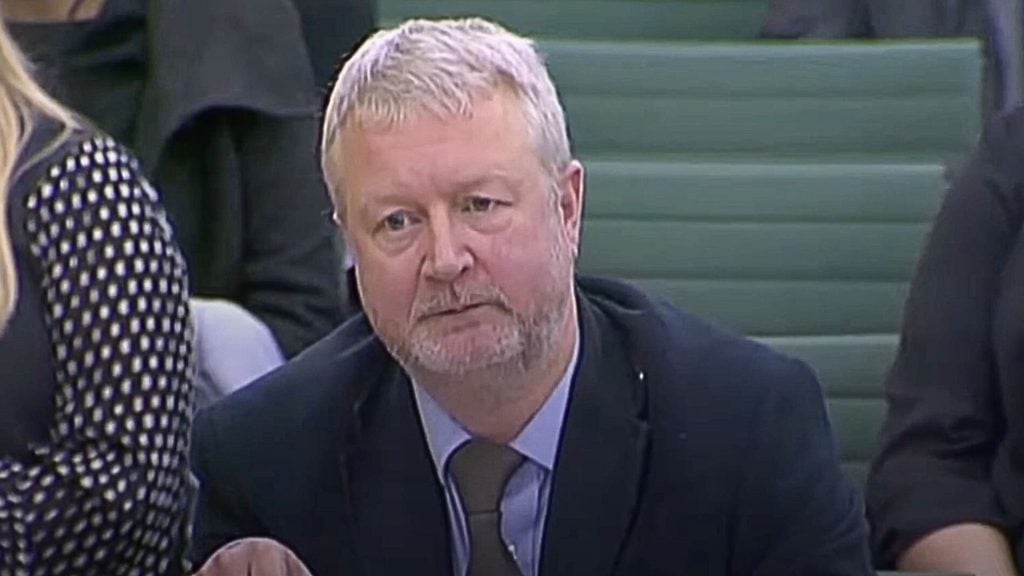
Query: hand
[
  {"x": 970, "y": 548},
  {"x": 253, "y": 557}
]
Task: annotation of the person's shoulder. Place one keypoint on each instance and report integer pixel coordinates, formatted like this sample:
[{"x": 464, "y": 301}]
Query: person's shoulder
[
  {"x": 695, "y": 355},
  {"x": 46, "y": 147},
  {"x": 705, "y": 382},
  {"x": 656, "y": 324},
  {"x": 304, "y": 393},
  {"x": 54, "y": 151}
]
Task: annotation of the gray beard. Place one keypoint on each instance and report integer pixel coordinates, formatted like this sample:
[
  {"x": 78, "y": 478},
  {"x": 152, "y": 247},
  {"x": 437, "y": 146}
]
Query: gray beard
[{"x": 516, "y": 348}]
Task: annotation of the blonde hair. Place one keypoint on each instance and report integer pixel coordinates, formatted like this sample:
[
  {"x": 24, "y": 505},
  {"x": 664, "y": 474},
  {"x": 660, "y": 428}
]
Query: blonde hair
[
  {"x": 442, "y": 67},
  {"x": 21, "y": 100}
]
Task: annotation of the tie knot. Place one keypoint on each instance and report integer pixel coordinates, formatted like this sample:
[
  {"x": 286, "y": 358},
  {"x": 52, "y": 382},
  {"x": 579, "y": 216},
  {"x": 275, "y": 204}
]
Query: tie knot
[{"x": 481, "y": 470}]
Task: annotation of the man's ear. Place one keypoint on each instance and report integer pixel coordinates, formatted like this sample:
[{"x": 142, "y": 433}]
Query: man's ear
[
  {"x": 339, "y": 221},
  {"x": 346, "y": 238},
  {"x": 570, "y": 201}
]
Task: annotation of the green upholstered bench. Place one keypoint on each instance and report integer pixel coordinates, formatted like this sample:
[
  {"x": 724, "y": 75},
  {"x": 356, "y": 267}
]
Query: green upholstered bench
[
  {"x": 599, "y": 19},
  {"x": 900, "y": 100},
  {"x": 814, "y": 260}
]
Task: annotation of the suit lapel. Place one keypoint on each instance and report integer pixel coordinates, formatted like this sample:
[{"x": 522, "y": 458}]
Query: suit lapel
[
  {"x": 400, "y": 524},
  {"x": 601, "y": 457}
]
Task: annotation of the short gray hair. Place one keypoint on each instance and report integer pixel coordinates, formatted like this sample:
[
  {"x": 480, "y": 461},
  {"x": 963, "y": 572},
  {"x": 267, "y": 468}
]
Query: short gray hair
[{"x": 442, "y": 67}]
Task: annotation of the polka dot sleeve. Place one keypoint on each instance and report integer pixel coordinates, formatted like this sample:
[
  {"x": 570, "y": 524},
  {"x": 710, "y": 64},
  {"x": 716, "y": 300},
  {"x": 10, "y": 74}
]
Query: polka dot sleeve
[{"x": 107, "y": 495}]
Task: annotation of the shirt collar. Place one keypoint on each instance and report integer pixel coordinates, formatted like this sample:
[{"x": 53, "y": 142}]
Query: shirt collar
[{"x": 538, "y": 441}]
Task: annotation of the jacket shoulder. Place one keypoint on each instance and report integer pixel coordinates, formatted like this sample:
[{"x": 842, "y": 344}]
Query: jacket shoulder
[
  {"x": 666, "y": 334},
  {"x": 694, "y": 362},
  {"x": 292, "y": 409}
]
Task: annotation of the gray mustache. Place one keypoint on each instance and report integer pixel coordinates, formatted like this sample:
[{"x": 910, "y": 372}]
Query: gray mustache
[{"x": 458, "y": 299}]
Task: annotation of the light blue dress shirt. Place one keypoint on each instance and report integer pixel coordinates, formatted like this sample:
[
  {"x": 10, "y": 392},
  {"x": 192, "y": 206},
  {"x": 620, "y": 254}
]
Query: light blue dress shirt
[{"x": 524, "y": 506}]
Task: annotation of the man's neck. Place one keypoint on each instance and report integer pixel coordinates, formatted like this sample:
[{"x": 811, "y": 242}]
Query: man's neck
[
  {"x": 499, "y": 413},
  {"x": 39, "y": 11}
]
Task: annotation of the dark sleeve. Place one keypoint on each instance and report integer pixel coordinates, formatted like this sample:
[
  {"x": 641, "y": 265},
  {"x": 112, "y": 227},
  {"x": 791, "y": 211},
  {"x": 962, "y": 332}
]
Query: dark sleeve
[
  {"x": 291, "y": 277},
  {"x": 109, "y": 492},
  {"x": 944, "y": 419},
  {"x": 217, "y": 516},
  {"x": 799, "y": 513}
]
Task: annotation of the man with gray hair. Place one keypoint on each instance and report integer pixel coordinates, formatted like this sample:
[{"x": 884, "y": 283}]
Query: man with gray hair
[{"x": 492, "y": 413}]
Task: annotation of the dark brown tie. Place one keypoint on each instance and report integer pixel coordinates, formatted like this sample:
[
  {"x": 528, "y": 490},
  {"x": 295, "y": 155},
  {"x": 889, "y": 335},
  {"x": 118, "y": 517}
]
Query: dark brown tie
[{"x": 481, "y": 470}]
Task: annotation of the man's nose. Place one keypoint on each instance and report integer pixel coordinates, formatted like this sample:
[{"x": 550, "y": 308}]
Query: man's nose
[{"x": 449, "y": 256}]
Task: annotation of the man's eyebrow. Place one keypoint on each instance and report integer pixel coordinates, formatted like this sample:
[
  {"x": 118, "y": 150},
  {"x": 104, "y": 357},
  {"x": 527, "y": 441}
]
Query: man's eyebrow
[
  {"x": 373, "y": 202},
  {"x": 499, "y": 177},
  {"x": 395, "y": 197}
]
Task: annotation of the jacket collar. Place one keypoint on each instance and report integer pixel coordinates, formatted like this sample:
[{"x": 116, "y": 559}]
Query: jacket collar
[{"x": 602, "y": 455}]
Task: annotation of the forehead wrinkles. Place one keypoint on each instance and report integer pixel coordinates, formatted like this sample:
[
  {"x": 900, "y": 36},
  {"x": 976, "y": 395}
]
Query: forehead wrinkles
[
  {"x": 411, "y": 163},
  {"x": 375, "y": 117}
]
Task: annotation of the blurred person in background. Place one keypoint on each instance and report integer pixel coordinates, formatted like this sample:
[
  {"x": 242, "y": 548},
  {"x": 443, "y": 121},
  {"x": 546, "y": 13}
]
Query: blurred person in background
[
  {"x": 96, "y": 357},
  {"x": 218, "y": 100},
  {"x": 946, "y": 491},
  {"x": 333, "y": 28}
]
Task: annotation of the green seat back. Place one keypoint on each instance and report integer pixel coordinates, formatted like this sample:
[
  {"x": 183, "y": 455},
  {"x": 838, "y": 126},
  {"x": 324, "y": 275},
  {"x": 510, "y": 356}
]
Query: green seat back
[
  {"x": 894, "y": 100},
  {"x": 599, "y": 19}
]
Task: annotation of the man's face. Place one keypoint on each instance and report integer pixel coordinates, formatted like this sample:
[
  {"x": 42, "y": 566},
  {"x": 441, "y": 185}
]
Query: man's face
[{"x": 464, "y": 244}]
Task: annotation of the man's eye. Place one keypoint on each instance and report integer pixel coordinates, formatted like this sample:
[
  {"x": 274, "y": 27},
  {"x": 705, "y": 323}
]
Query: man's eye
[
  {"x": 396, "y": 221},
  {"x": 479, "y": 204}
]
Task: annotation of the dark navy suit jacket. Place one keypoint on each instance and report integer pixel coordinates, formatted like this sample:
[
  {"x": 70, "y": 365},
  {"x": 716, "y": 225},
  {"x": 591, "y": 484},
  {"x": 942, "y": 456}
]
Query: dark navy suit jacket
[{"x": 685, "y": 450}]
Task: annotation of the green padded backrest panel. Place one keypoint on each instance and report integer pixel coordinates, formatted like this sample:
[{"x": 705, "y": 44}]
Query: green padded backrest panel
[
  {"x": 766, "y": 250},
  {"x": 770, "y": 99},
  {"x": 599, "y": 19}
]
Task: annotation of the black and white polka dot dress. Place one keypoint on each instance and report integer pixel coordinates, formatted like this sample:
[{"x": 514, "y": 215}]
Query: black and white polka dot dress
[{"x": 101, "y": 486}]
